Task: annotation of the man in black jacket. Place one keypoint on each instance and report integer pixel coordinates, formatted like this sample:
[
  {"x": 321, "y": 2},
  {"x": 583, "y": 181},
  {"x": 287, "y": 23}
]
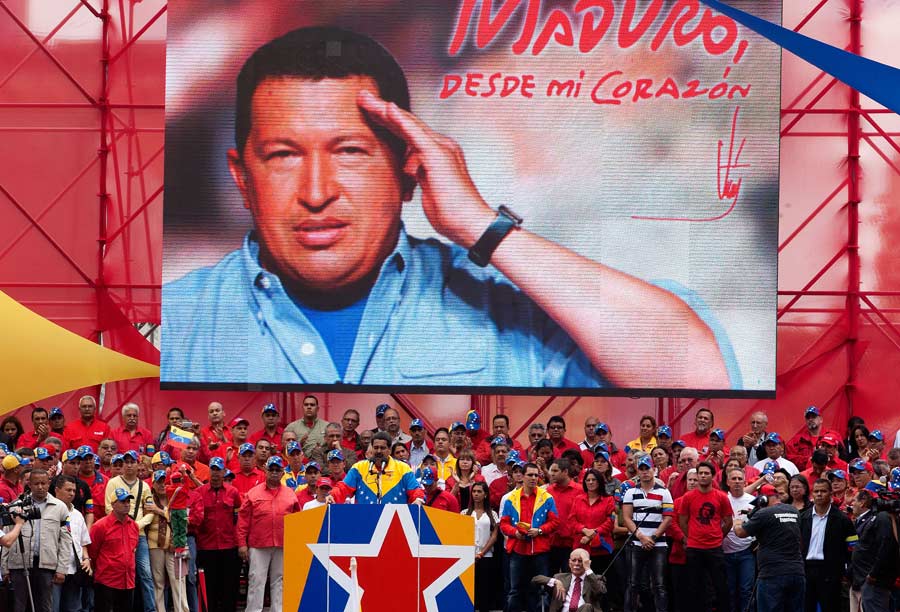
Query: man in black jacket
[
  {"x": 875, "y": 558},
  {"x": 827, "y": 536}
]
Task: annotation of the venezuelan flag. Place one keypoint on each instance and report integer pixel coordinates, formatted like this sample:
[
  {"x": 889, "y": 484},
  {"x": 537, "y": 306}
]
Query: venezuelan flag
[{"x": 179, "y": 438}]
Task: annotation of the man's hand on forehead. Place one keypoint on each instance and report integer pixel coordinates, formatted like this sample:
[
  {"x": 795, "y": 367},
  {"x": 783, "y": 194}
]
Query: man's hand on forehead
[{"x": 449, "y": 196}]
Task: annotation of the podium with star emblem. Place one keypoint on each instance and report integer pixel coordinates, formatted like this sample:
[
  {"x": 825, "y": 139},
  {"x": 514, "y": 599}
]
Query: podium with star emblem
[{"x": 369, "y": 558}]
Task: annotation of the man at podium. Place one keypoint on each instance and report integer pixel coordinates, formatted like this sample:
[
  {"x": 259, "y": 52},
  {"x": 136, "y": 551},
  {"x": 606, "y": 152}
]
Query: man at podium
[{"x": 379, "y": 480}]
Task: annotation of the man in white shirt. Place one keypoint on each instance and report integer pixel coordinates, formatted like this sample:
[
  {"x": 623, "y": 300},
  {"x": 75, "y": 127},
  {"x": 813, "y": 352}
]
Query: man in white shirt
[
  {"x": 323, "y": 489},
  {"x": 499, "y": 451},
  {"x": 740, "y": 564},
  {"x": 774, "y": 447},
  {"x": 67, "y": 596},
  {"x": 579, "y": 589}
]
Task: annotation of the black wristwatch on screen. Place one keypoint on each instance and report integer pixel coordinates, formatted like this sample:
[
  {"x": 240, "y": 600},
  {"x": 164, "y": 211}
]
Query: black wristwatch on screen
[{"x": 484, "y": 248}]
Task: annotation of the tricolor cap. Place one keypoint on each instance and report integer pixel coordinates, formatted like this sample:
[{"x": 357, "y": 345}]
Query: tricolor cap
[
  {"x": 312, "y": 465},
  {"x": 117, "y": 457},
  {"x": 860, "y": 465},
  {"x": 416, "y": 423},
  {"x": 719, "y": 433},
  {"x": 292, "y": 446},
  {"x": 812, "y": 411},
  {"x": 645, "y": 462},
  {"x": 276, "y": 460},
  {"x": 162, "y": 457},
  {"x": 96, "y": 460},
  {"x": 623, "y": 489},
  {"x": 11, "y": 461},
  {"x": 217, "y": 463},
  {"x": 664, "y": 430},
  {"x": 513, "y": 454},
  {"x": 334, "y": 455},
  {"x": 123, "y": 494},
  {"x": 380, "y": 409},
  {"x": 769, "y": 468},
  {"x": 428, "y": 476},
  {"x": 457, "y": 425},
  {"x": 4, "y": 448},
  {"x": 601, "y": 427},
  {"x": 269, "y": 408},
  {"x": 85, "y": 451},
  {"x": 498, "y": 440},
  {"x": 680, "y": 443},
  {"x": 246, "y": 447},
  {"x": 237, "y": 421},
  {"x": 773, "y": 437},
  {"x": 473, "y": 420},
  {"x": 840, "y": 474},
  {"x": 876, "y": 434},
  {"x": 159, "y": 474},
  {"x": 41, "y": 453},
  {"x": 70, "y": 455},
  {"x": 894, "y": 482},
  {"x": 56, "y": 411},
  {"x": 512, "y": 459},
  {"x": 150, "y": 450},
  {"x": 324, "y": 482},
  {"x": 132, "y": 455}
]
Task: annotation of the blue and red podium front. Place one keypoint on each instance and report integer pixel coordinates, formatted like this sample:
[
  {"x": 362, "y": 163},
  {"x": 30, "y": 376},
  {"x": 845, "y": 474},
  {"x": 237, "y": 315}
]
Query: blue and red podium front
[{"x": 367, "y": 558}]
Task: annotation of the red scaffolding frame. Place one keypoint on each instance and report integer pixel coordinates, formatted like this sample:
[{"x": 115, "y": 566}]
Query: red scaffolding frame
[{"x": 107, "y": 279}]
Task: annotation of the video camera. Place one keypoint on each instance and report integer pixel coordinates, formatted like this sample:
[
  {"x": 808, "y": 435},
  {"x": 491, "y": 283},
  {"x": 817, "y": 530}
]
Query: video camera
[
  {"x": 888, "y": 501},
  {"x": 22, "y": 506}
]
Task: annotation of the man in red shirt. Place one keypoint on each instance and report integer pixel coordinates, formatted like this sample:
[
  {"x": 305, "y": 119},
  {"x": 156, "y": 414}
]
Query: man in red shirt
[
  {"x": 114, "y": 538},
  {"x": 87, "y": 430},
  {"x": 556, "y": 431},
  {"x": 41, "y": 424},
  {"x": 11, "y": 483},
  {"x": 500, "y": 426},
  {"x": 215, "y": 438},
  {"x": 706, "y": 518},
  {"x": 260, "y": 535},
  {"x": 58, "y": 426},
  {"x": 349, "y": 435},
  {"x": 271, "y": 431},
  {"x": 829, "y": 443},
  {"x": 699, "y": 438},
  {"x": 129, "y": 436},
  {"x": 800, "y": 448},
  {"x": 474, "y": 432},
  {"x": 716, "y": 451},
  {"x": 240, "y": 433},
  {"x": 216, "y": 538},
  {"x": 434, "y": 495},
  {"x": 248, "y": 476},
  {"x": 528, "y": 518},
  {"x": 564, "y": 493}
]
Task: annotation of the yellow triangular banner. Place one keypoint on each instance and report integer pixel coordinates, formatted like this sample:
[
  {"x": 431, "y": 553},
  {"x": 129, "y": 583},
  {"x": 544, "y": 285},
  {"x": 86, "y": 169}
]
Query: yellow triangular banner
[{"x": 39, "y": 358}]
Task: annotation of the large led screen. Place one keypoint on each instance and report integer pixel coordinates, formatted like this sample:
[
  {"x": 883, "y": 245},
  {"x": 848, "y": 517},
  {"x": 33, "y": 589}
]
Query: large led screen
[{"x": 465, "y": 195}]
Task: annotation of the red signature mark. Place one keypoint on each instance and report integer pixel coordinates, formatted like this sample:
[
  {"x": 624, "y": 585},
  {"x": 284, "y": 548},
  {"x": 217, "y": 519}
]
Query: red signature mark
[{"x": 727, "y": 189}]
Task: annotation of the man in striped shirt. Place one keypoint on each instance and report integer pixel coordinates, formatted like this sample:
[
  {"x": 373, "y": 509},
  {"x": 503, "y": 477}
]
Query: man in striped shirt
[{"x": 647, "y": 512}]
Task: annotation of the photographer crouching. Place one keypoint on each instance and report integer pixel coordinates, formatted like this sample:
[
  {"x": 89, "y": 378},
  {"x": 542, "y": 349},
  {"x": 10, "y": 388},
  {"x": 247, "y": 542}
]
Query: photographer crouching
[
  {"x": 39, "y": 556},
  {"x": 875, "y": 558},
  {"x": 781, "y": 581}
]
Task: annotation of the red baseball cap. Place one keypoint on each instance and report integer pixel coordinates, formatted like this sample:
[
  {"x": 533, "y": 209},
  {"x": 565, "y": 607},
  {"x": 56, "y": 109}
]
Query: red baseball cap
[
  {"x": 324, "y": 482},
  {"x": 236, "y": 420},
  {"x": 829, "y": 439}
]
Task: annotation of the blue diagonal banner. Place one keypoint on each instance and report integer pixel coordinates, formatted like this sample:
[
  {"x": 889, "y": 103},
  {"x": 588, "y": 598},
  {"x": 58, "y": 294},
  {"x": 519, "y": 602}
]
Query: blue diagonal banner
[{"x": 873, "y": 79}]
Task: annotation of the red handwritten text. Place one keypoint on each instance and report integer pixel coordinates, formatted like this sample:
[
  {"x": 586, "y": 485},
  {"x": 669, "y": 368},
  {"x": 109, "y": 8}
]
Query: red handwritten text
[{"x": 717, "y": 32}]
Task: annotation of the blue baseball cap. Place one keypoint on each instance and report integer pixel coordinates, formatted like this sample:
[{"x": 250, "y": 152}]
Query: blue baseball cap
[
  {"x": 601, "y": 453},
  {"x": 811, "y": 411},
  {"x": 132, "y": 454},
  {"x": 645, "y": 462},
  {"x": 719, "y": 433},
  {"x": 312, "y": 465},
  {"x": 601, "y": 427},
  {"x": 499, "y": 440},
  {"x": 276, "y": 460},
  {"x": 380, "y": 409},
  {"x": 162, "y": 457},
  {"x": 123, "y": 494},
  {"x": 85, "y": 451},
  {"x": 894, "y": 482},
  {"x": 860, "y": 465},
  {"x": 217, "y": 463},
  {"x": 773, "y": 437},
  {"x": 41, "y": 453},
  {"x": 162, "y": 474},
  {"x": 838, "y": 474},
  {"x": 334, "y": 455},
  {"x": 246, "y": 447},
  {"x": 416, "y": 423},
  {"x": 70, "y": 455},
  {"x": 292, "y": 446},
  {"x": 56, "y": 411},
  {"x": 269, "y": 408},
  {"x": 96, "y": 460},
  {"x": 514, "y": 454},
  {"x": 680, "y": 443},
  {"x": 457, "y": 425},
  {"x": 428, "y": 476},
  {"x": 473, "y": 421},
  {"x": 769, "y": 467},
  {"x": 117, "y": 457},
  {"x": 511, "y": 459},
  {"x": 24, "y": 460},
  {"x": 228, "y": 474},
  {"x": 876, "y": 434},
  {"x": 664, "y": 430}
]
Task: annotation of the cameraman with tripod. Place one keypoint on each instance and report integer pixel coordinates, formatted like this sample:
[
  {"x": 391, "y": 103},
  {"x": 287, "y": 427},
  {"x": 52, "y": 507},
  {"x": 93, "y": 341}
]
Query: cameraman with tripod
[{"x": 44, "y": 550}]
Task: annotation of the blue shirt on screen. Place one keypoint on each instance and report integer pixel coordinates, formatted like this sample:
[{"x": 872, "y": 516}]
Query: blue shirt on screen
[
  {"x": 432, "y": 318},
  {"x": 337, "y": 328}
]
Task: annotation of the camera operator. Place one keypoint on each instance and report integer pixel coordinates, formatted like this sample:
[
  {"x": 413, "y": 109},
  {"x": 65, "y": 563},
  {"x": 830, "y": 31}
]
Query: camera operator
[
  {"x": 776, "y": 527},
  {"x": 874, "y": 562},
  {"x": 44, "y": 550},
  {"x": 11, "y": 483}
]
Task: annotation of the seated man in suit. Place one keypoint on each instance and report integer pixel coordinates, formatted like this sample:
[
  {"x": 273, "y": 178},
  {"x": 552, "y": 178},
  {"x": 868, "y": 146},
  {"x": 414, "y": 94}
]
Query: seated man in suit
[{"x": 578, "y": 590}]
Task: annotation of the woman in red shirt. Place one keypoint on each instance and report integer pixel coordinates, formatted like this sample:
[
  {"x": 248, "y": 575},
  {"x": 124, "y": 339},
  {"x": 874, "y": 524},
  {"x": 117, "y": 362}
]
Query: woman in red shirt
[{"x": 593, "y": 516}]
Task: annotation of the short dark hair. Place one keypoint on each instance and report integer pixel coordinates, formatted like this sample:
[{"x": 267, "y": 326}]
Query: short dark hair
[
  {"x": 707, "y": 464},
  {"x": 61, "y": 481},
  {"x": 530, "y": 465},
  {"x": 556, "y": 419},
  {"x": 573, "y": 455},
  {"x": 823, "y": 481},
  {"x": 542, "y": 443},
  {"x": 440, "y": 429},
  {"x": 712, "y": 417},
  {"x": 865, "y": 497},
  {"x": 501, "y": 416},
  {"x": 308, "y": 396},
  {"x": 37, "y": 409},
  {"x": 396, "y": 444},
  {"x": 562, "y": 464},
  {"x": 317, "y": 53},
  {"x": 381, "y": 435}
]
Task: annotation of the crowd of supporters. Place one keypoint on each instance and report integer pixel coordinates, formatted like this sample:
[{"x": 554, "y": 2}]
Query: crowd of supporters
[{"x": 668, "y": 521}]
